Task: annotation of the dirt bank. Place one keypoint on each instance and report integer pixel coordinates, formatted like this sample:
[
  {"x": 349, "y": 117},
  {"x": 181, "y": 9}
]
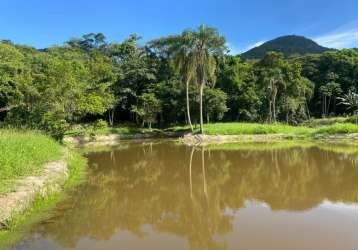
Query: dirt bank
[
  {"x": 191, "y": 139},
  {"x": 115, "y": 139},
  {"x": 196, "y": 139},
  {"x": 28, "y": 189}
]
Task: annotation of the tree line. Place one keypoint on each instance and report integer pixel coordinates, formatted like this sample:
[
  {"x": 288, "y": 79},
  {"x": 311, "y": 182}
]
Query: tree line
[{"x": 185, "y": 78}]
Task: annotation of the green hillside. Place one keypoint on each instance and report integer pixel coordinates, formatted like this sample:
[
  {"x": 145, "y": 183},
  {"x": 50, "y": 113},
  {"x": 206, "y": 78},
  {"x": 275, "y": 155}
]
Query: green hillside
[{"x": 288, "y": 45}]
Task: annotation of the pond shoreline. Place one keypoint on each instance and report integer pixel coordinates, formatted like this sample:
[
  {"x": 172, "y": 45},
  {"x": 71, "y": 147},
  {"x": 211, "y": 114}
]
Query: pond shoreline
[
  {"x": 198, "y": 139},
  {"x": 192, "y": 139}
]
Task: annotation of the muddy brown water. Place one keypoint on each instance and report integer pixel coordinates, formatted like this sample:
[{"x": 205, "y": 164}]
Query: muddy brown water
[{"x": 155, "y": 196}]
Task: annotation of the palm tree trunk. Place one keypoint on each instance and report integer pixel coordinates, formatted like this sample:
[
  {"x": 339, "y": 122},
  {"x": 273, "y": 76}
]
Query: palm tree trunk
[
  {"x": 111, "y": 117},
  {"x": 307, "y": 109},
  {"x": 270, "y": 111},
  {"x": 203, "y": 170},
  {"x": 201, "y": 109},
  {"x": 329, "y": 104},
  {"x": 188, "y": 106},
  {"x": 274, "y": 109},
  {"x": 190, "y": 172}
]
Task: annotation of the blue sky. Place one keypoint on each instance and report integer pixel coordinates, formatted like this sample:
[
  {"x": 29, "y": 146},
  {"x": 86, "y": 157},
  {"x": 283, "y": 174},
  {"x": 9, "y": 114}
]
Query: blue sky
[{"x": 245, "y": 23}]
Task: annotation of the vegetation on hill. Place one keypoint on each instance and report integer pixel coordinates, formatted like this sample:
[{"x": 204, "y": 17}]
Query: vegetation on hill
[
  {"x": 287, "y": 45},
  {"x": 169, "y": 81}
]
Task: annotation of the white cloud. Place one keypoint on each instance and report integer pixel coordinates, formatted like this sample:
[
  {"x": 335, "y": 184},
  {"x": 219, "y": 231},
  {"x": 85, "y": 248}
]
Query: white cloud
[
  {"x": 235, "y": 50},
  {"x": 254, "y": 45},
  {"x": 343, "y": 37}
]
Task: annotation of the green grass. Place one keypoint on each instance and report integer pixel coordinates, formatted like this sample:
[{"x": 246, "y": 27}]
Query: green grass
[
  {"x": 129, "y": 130},
  {"x": 314, "y": 123},
  {"x": 345, "y": 128},
  {"x": 24, "y": 153},
  {"x": 262, "y": 129},
  {"x": 320, "y": 122},
  {"x": 39, "y": 209},
  {"x": 334, "y": 126},
  {"x": 253, "y": 129}
]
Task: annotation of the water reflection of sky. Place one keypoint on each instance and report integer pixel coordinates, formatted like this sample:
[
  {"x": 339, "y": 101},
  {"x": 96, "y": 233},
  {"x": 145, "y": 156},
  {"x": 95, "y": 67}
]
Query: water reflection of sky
[
  {"x": 325, "y": 205},
  {"x": 329, "y": 226}
]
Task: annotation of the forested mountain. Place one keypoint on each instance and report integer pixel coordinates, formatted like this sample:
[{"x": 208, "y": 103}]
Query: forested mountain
[{"x": 287, "y": 45}]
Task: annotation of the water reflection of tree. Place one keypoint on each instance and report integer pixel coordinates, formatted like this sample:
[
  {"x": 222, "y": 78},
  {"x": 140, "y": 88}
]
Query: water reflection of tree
[{"x": 184, "y": 191}]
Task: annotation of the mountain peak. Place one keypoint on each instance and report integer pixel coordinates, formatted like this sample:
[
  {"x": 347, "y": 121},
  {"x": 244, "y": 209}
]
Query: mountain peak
[{"x": 288, "y": 45}]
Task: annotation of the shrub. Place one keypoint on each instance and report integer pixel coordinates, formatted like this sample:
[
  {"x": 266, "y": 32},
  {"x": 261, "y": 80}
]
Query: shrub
[
  {"x": 353, "y": 119},
  {"x": 100, "y": 124}
]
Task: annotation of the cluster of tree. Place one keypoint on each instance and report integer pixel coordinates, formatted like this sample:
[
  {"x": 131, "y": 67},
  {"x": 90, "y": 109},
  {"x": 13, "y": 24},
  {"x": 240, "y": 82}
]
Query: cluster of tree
[{"x": 181, "y": 78}]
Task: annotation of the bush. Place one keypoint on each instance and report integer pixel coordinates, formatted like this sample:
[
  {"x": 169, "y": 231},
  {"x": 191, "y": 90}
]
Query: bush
[
  {"x": 353, "y": 119},
  {"x": 55, "y": 127},
  {"x": 100, "y": 124}
]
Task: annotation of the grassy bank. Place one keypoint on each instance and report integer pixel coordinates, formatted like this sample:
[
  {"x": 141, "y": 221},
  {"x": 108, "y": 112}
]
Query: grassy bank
[
  {"x": 253, "y": 129},
  {"x": 345, "y": 128},
  {"x": 21, "y": 223},
  {"x": 259, "y": 129},
  {"x": 24, "y": 153},
  {"x": 334, "y": 126}
]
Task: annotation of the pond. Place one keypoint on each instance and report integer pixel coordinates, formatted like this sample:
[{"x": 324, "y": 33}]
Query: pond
[{"x": 161, "y": 195}]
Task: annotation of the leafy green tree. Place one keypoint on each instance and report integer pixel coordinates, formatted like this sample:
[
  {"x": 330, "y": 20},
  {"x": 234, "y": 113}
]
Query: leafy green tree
[
  {"x": 88, "y": 42},
  {"x": 271, "y": 76},
  {"x": 238, "y": 81},
  {"x": 148, "y": 109},
  {"x": 136, "y": 73},
  {"x": 350, "y": 101},
  {"x": 329, "y": 91},
  {"x": 215, "y": 104},
  {"x": 14, "y": 77}
]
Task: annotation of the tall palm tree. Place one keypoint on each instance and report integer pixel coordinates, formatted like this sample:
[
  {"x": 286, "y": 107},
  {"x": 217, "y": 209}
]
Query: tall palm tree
[
  {"x": 208, "y": 45},
  {"x": 185, "y": 62},
  {"x": 194, "y": 53},
  {"x": 179, "y": 48}
]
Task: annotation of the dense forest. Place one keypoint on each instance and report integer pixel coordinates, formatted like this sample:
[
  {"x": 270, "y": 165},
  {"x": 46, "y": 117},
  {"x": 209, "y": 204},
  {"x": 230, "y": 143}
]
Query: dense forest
[{"x": 188, "y": 78}]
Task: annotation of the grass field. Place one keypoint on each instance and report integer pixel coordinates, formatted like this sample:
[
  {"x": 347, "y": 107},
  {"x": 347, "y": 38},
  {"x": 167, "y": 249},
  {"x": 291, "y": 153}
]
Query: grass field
[
  {"x": 319, "y": 127},
  {"x": 24, "y": 153},
  {"x": 253, "y": 128},
  {"x": 260, "y": 129},
  {"x": 346, "y": 128}
]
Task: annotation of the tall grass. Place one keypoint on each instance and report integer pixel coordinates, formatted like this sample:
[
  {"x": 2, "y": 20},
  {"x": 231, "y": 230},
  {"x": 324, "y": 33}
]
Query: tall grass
[
  {"x": 24, "y": 153},
  {"x": 344, "y": 128},
  {"x": 252, "y": 129}
]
